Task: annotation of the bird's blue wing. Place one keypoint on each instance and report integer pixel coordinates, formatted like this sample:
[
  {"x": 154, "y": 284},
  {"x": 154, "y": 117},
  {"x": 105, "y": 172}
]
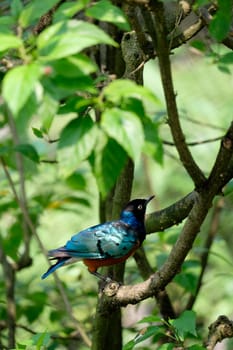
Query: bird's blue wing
[{"x": 112, "y": 239}]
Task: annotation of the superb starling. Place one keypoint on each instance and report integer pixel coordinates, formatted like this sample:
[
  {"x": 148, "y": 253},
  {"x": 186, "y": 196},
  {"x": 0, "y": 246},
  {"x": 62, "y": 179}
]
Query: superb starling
[{"x": 105, "y": 244}]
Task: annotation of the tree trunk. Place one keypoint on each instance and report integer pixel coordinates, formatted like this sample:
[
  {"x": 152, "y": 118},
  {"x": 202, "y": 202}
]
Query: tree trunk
[{"x": 107, "y": 332}]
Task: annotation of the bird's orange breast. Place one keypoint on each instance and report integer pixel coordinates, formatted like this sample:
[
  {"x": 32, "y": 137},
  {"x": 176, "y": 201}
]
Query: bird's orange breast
[{"x": 94, "y": 264}]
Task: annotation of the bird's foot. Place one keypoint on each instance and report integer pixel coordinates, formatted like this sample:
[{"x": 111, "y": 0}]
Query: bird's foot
[
  {"x": 104, "y": 279},
  {"x": 108, "y": 286},
  {"x": 111, "y": 288}
]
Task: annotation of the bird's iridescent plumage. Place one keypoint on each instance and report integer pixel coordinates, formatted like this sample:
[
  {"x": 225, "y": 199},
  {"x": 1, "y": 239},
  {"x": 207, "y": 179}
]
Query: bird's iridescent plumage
[{"x": 105, "y": 244}]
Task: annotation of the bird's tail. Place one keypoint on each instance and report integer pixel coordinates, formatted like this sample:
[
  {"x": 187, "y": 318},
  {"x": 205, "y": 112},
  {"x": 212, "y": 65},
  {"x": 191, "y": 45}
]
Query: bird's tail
[
  {"x": 62, "y": 256},
  {"x": 60, "y": 262}
]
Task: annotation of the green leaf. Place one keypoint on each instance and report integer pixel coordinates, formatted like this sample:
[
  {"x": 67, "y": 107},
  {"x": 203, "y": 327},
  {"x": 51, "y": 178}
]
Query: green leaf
[
  {"x": 9, "y": 41},
  {"x": 151, "y": 318},
  {"x": 201, "y": 2},
  {"x": 28, "y": 151},
  {"x": 129, "y": 346},
  {"x": 228, "y": 189},
  {"x": 18, "y": 84},
  {"x": 153, "y": 146},
  {"x": 105, "y": 11},
  {"x": 188, "y": 281},
  {"x": 167, "y": 346},
  {"x": 69, "y": 37},
  {"x": 224, "y": 69},
  {"x": 125, "y": 127},
  {"x": 12, "y": 241},
  {"x": 77, "y": 181},
  {"x": 220, "y": 24},
  {"x": 143, "y": 335},
  {"x": 38, "y": 133},
  {"x": 47, "y": 111},
  {"x": 110, "y": 158},
  {"x": 74, "y": 66},
  {"x": 185, "y": 324},
  {"x": 5, "y": 24},
  {"x": 20, "y": 346},
  {"x": 196, "y": 347},
  {"x": 76, "y": 143},
  {"x": 41, "y": 339},
  {"x": 67, "y": 85},
  {"x": 34, "y": 10},
  {"x": 4, "y": 150},
  {"x": 16, "y": 8},
  {"x": 32, "y": 312},
  {"x": 68, "y": 10},
  {"x": 75, "y": 131},
  {"x": 199, "y": 45},
  {"x": 77, "y": 104},
  {"x": 121, "y": 89},
  {"x": 26, "y": 113},
  {"x": 226, "y": 58}
]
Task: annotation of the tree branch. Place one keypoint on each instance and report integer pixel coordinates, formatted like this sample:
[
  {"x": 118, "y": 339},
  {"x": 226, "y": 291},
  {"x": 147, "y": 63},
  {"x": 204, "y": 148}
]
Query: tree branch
[
  {"x": 46, "y": 19},
  {"x": 172, "y": 215},
  {"x": 106, "y": 321},
  {"x": 194, "y": 143},
  {"x": 163, "y": 52},
  {"x": 220, "y": 329},
  {"x": 25, "y": 258},
  {"x": 133, "y": 294}
]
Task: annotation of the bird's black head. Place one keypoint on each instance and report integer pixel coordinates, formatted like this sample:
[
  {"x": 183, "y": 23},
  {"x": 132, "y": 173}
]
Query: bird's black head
[{"x": 137, "y": 207}]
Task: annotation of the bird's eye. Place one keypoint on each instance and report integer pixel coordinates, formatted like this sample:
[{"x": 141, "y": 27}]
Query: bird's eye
[{"x": 140, "y": 207}]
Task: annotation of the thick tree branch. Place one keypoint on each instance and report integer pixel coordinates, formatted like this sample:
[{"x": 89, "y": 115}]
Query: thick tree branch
[
  {"x": 163, "y": 52},
  {"x": 172, "y": 215},
  {"x": 107, "y": 322},
  {"x": 220, "y": 329},
  {"x": 220, "y": 173},
  {"x": 158, "y": 281}
]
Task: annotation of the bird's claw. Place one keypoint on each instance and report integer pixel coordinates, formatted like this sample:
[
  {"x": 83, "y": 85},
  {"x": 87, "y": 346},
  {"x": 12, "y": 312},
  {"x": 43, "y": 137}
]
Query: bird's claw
[
  {"x": 111, "y": 288},
  {"x": 108, "y": 280}
]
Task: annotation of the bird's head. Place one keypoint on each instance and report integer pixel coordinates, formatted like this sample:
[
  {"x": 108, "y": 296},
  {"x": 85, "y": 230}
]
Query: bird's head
[{"x": 137, "y": 208}]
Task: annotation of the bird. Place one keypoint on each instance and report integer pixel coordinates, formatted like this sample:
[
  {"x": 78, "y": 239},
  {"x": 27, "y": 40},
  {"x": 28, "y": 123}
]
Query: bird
[{"x": 104, "y": 244}]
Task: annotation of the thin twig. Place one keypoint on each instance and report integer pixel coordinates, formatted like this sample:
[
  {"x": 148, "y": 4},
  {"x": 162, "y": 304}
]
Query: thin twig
[
  {"x": 72, "y": 336},
  {"x": 22, "y": 191},
  {"x": 194, "y": 143},
  {"x": 202, "y": 123}
]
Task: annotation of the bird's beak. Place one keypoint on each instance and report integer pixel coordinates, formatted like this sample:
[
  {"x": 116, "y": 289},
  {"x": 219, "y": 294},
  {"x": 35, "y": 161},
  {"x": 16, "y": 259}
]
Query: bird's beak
[{"x": 149, "y": 199}]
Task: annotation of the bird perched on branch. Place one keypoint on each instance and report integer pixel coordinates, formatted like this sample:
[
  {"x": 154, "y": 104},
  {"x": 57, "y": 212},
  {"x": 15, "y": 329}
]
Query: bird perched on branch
[{"x": 105, "y": 244}]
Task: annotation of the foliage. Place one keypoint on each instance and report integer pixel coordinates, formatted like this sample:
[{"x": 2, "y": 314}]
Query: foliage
[{"x": 177, "y": 330}]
